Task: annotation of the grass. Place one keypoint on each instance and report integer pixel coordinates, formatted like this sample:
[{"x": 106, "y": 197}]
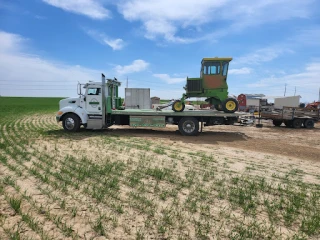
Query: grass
[{"x": 115, "y": 186}]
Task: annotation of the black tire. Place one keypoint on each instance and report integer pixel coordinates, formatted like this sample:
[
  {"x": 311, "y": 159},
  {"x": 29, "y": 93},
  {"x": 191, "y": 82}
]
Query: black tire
[
  {"x": 218, "y": 107},
  {"x": 277, "y": 123},
  {"x": 297, "y": 123},
  {"x": 308, "y": 123},
  {"x": 189, "y": 126},
  {"x": 288, "y": 123},
  {"x": 230, "y": 105},
  {"x": 71, "y": 122},
  {"x": 178, "y": 106}
]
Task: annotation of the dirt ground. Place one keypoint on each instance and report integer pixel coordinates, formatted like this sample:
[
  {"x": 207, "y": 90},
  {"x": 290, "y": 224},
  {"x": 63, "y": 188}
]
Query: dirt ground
[
  {"x": 301, "y": 144},
  {"x": 42, "y": 165}
]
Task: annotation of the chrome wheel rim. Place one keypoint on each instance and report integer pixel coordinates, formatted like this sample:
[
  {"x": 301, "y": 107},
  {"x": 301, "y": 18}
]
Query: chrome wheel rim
[
  {"x": 69, "y": 123},
  {"x": 188, "y": 126}
]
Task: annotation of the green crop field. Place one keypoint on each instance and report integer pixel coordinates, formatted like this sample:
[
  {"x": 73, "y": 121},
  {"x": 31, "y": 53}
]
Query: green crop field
[{"x": 117, "y": 184}]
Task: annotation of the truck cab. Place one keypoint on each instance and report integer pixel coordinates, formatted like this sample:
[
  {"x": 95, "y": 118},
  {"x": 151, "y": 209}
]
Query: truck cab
[{"x": 95, "y": 101}]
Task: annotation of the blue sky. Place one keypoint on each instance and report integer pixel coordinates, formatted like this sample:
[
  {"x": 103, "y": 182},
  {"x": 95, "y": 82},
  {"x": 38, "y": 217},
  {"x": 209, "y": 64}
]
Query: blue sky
[{"x": 47, "y": 46}]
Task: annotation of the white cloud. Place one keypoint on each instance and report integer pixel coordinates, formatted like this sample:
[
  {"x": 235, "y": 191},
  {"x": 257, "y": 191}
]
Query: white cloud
[
  {"x": 115, "y": 44},
  {"x": 167, "y": 19},
  {"x": 262, "y": 55},
  {"x": 136, "y": 66},
  {"x": 168, "y": 79},
  {"x": 90, "y": 8},
  {"x": 23, "y": 74},
  {"x": 306, "y": 83},
  {"x": 238, "y": 71}
]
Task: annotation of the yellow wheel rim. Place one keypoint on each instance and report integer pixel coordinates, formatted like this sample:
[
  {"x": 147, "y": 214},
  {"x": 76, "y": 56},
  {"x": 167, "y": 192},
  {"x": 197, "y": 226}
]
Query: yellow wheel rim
[
  {"x": 178, "y": 106},
  {"x": 230, "y": 105}
]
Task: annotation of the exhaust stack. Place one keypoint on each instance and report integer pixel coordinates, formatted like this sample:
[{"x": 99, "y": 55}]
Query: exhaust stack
[{"x": 103, "y": 91}]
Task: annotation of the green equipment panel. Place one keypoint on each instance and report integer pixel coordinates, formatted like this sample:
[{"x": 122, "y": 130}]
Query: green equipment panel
[{"x": 148, "y": 121}]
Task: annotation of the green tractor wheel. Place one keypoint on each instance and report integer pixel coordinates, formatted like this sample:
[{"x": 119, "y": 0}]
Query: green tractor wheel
[
  {"x": 230, "y": 105},
  {"x": 178, "y": 106}
]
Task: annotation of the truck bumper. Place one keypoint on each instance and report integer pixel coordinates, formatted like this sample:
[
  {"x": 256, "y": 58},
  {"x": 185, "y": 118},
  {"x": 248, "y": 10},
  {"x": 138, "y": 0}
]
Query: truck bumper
[{"x": 58, "y": 119}]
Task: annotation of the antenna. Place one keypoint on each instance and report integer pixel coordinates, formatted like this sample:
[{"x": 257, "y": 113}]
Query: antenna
[
  {"x": 295, "y": 90},
  {"x": 285, "y": 89},
  {"x": 127, "y": 82}
]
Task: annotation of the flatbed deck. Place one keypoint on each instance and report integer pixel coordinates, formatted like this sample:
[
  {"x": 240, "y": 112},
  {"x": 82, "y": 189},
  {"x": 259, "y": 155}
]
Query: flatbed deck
[{"x": 194, "y": 113}]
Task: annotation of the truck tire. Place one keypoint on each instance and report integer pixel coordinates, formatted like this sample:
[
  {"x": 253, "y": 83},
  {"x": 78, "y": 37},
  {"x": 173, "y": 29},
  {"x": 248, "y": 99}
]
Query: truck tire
[
  {"x": 189, "y": 126},
  {"x": 297, "y": 123},
  {"x": 277, "y": 123},
  {"x": 71, "y": 122},
  {"x": 308, "y": 123},
  {"x": 230, "y": 105},
  {"x": 178, "y": 106}
]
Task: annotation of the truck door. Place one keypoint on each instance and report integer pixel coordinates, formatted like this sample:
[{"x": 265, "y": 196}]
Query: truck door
[{"x": 94, "y": 100}]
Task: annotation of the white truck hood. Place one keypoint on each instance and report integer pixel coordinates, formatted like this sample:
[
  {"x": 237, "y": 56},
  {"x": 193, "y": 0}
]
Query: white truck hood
[{"x": 69, "y": 102}]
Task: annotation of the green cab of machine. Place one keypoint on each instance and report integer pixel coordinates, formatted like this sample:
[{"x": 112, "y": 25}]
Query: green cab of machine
[{"x": 212, "y": 84}]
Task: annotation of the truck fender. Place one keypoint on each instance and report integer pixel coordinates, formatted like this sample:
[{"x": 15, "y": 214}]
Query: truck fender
[{"x": 77, "y": 110}]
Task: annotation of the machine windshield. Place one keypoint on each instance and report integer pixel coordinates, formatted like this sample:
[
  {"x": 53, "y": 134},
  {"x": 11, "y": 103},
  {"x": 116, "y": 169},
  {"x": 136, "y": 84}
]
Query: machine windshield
[
  {"x": 211, "y": 68},
  {"x": 225, "y": 68}
]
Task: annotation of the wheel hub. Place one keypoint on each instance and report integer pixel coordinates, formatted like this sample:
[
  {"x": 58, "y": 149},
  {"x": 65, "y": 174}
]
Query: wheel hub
[
  {"x": 189, "y": 127},
  {"x": 69, "y": 123}
]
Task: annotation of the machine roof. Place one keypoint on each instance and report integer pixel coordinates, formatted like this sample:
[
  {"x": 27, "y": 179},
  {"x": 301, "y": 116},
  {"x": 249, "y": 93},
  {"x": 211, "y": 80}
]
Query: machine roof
[{"x": 217, "y": 59}]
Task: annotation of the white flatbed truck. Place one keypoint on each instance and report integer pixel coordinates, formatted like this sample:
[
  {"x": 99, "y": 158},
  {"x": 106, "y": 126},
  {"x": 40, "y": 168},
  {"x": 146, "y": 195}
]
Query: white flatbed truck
[{"x": 100, "y": 107}]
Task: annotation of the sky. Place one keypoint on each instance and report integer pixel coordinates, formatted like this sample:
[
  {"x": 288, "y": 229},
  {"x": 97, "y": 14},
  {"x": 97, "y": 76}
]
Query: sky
[{"x": 48, "y": 46}]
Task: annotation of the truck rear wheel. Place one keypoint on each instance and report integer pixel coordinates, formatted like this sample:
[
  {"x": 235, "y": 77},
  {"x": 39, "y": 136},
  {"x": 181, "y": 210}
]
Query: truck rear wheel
[
  {"x": 189, "y": 126},
  {"x": 178, "y": 106},
  {"x": 277, "y": 123},
  {"x": 71, "y": 122},
  {"x": 230, "y": 105},
  {"x": 308, "y": 123},
  {"x": 297, "y": 123}
]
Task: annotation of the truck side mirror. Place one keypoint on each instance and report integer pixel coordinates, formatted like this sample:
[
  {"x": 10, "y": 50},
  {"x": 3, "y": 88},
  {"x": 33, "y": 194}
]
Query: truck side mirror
[{"x": 84, "y": 99}]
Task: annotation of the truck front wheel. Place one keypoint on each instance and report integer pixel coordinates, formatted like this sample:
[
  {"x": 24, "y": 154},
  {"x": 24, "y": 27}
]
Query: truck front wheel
[
  {"x": 189, "y": 126},
  {"x": 71, "y": 122}
]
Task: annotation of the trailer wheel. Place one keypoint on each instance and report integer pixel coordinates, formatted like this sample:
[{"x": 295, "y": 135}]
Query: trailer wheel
[
  {"x": 308, "y": 123},
  {"x": 297, "y": 123},
  {"x": 189, "y": 126},
  {"x": 230, "y": 105},
  {"x": 288, "y": 123},
  {"x": 71, "y": 122},
  {"x": 178, "y": 106},
  {"x": 277, "y": 123}
]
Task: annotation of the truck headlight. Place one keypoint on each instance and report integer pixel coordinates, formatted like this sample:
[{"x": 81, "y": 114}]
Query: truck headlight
[{"x": 59, "y": 113}]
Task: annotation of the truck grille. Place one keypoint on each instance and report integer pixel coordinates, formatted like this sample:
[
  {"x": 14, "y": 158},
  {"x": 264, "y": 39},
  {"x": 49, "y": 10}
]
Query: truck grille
[{"x": 194, "y": 85}]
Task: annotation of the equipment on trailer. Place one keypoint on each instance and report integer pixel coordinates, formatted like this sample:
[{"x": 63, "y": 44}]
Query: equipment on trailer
[
  {"x": 212, "y": 85},
  {"x": 293, "y": 117}
]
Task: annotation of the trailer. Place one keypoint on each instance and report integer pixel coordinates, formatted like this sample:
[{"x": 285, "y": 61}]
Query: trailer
[
  {"x": 100, "y": 107},
  {"x": 293, "y": 117}
]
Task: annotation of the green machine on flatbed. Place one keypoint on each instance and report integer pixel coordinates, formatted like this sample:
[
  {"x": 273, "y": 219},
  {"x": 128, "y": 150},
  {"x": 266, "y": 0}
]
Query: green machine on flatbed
[
  {"x": 100, "y": 107},
  {"x": 212, "y": 85}
]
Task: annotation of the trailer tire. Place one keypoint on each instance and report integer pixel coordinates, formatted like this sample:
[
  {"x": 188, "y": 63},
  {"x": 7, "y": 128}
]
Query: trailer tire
[
  {"x": 189, "y": 126},
  {"x": 178, "y": 106},
  {"x": 230, "y": 105},
  {"x": 297, "y": 123},
  {"x": 308, "y": 123},
  {"x": 71, "y": 122},
  {"x": 277, "y": 123},
  {"x": 288, "y": 123}
]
